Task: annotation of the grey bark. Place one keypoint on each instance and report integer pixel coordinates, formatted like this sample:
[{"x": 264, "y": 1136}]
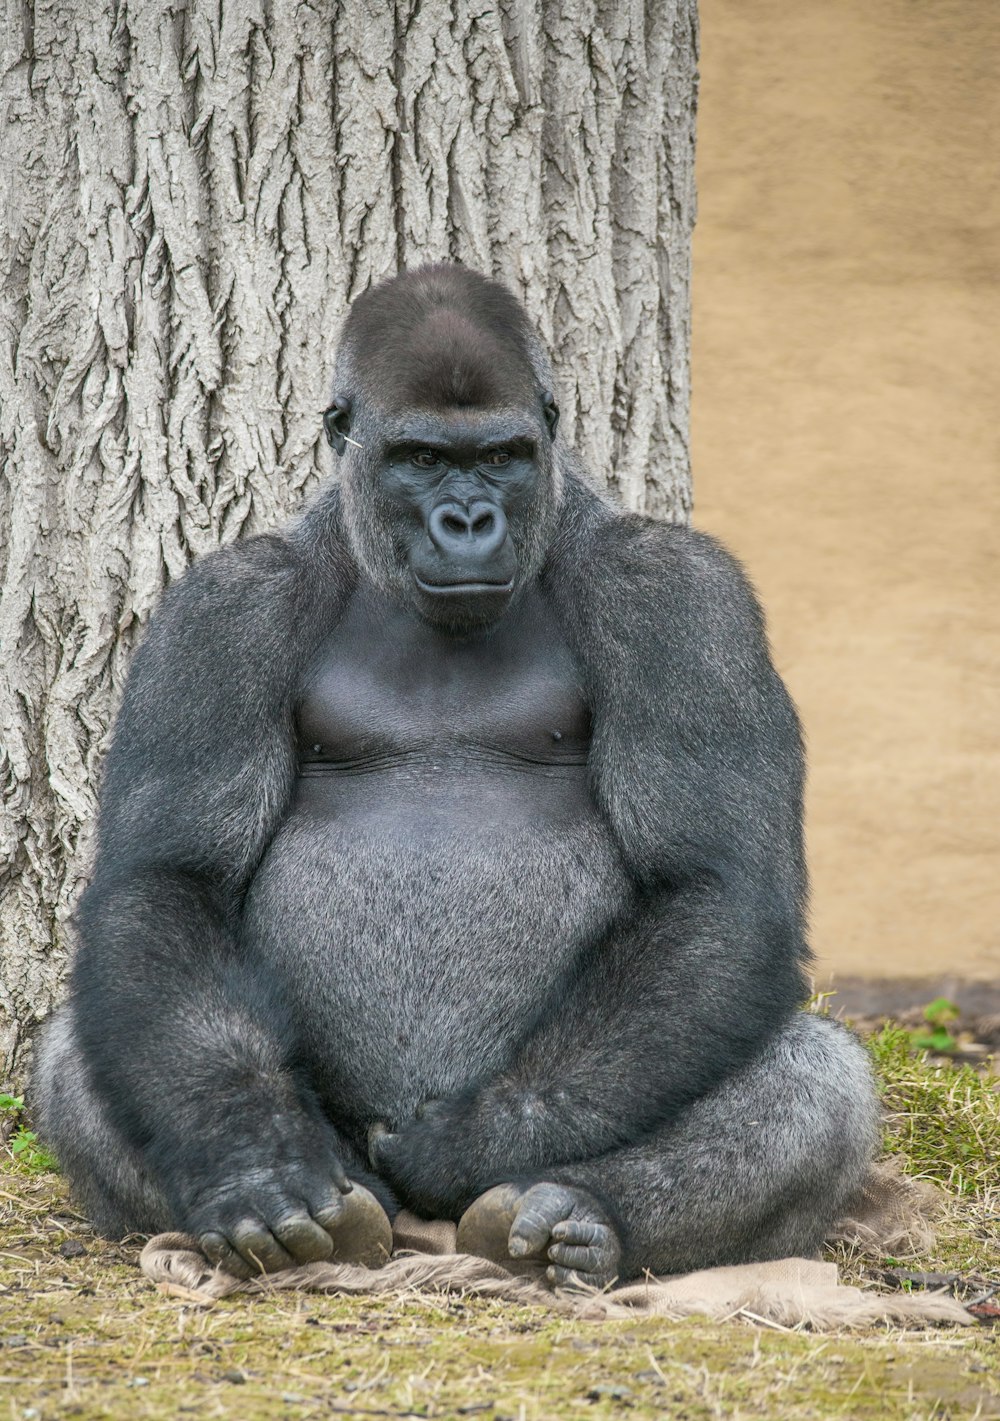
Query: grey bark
[{"x": 192, "y": 194}]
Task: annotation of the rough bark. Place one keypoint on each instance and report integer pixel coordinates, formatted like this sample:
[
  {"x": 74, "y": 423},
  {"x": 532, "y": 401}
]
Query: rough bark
[{"x": 193, "y": 192}]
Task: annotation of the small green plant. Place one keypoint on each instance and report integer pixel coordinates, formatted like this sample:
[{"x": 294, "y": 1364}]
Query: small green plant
[
  {"x": 23, "y": 1144},
  {"x": 935, "y": 1036}
]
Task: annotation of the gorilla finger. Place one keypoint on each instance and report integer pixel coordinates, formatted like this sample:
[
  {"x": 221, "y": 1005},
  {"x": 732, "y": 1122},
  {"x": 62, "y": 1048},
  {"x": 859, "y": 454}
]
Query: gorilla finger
[
  {"x": 567, "y": 1255},
  {"x": 327, "y": 1211},
  {"x": 257, "y": 1244},
  {"x": 584, "y": 1231},
  {"x": 380, "y": 1141},
  {"x": 339, "y": 1176},
  {"x": 303, "y": 1238},
  {"x": 529, "y": 1233},
  {"x": 220, "y": 1252}
]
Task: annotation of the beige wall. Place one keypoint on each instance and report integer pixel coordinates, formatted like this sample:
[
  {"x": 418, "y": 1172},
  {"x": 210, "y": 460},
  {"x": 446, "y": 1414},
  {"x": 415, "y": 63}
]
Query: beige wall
[{"x": 847, "y": 438}]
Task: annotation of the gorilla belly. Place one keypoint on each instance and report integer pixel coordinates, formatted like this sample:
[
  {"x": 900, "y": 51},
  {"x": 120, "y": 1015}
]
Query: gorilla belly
[{"x": 416, "y": 954}]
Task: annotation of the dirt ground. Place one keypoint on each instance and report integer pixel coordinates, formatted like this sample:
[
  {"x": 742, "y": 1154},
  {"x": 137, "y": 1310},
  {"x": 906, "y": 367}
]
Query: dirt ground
[{"x": 846, "y": 439}]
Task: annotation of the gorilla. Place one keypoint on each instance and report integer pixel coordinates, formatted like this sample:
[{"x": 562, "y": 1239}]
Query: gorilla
[{"x": 450, "y": 858}]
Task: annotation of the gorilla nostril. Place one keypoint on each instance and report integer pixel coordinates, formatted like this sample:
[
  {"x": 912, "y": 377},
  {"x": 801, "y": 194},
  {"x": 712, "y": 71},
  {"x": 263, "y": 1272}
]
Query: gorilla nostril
[
  {"x": 489, "y": 529},
  {"x": 444, "y": 525}
]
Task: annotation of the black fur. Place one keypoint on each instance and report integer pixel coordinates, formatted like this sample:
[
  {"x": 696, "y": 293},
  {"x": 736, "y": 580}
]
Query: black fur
[{"x": 200, "y": 1074}]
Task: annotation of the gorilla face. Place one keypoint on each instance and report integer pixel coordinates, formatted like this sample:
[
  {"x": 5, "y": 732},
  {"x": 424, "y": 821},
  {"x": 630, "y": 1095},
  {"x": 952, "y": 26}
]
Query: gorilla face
[
  {"x": 460, "y": 495},
  {"x": 450, "y": 488}
]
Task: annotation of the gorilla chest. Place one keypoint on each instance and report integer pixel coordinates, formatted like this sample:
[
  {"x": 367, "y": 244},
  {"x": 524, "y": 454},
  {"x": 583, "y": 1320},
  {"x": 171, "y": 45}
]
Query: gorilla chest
[{"x": 387, "y": 693}]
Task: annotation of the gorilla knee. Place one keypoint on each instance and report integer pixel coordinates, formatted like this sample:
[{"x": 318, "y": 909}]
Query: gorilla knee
[{"x": 837, "y": 1116}]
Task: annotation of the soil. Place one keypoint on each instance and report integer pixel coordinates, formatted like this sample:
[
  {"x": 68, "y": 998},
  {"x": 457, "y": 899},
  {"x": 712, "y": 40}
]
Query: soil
[{"x": 846, "y": 440}]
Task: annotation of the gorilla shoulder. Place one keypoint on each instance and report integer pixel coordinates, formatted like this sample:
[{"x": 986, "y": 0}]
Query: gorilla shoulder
[
  {"x": 243, "y": 603},
  {"x": 666, "y": 587},
  {"x": 690, "y": 566}
]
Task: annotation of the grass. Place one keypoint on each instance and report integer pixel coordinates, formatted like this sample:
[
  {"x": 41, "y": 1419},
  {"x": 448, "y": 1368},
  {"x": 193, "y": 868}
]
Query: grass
[
  {"x": 23, "y": 1143},
  {"x": 943, "y": 1121},
  {"x": 82, "y": 1334}
]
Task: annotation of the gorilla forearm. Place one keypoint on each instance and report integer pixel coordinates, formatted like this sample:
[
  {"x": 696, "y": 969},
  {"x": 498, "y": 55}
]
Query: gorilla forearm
[
  {"x": 683, "y": 995},
  {"x": 662, "y": 1011},
  {"x": 189, "y": 1049}
]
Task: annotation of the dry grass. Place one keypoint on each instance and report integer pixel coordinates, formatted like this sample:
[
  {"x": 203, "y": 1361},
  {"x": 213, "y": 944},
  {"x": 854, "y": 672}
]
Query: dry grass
[{"x": 83, "y": 1334}]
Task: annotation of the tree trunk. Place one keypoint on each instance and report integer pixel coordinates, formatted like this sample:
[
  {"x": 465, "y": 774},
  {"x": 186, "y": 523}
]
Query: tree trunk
[{"x": 192, "y": 194}]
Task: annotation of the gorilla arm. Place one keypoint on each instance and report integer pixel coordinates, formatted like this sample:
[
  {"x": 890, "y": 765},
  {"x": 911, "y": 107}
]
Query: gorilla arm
[
  {"x": 188, "y": 1048},
  {"x": 696, "y": 762}
]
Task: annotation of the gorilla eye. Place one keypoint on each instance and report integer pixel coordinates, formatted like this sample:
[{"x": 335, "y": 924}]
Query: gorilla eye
[
  {"x": 496, "y": 458},
  {"x": 424, "y": 459}
]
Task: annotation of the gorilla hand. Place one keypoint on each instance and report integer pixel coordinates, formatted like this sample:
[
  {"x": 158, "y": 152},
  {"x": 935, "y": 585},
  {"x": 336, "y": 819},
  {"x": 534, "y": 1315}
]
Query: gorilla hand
[
  {"x": 555, "y": 1228},
  {"x": 278, "y": 1207},
  {"x": 568, "y": 1227}
]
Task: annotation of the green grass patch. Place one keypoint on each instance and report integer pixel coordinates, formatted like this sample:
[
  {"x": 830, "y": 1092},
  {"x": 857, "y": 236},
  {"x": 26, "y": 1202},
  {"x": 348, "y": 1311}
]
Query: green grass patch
[{"x": 943, "y": 1121}]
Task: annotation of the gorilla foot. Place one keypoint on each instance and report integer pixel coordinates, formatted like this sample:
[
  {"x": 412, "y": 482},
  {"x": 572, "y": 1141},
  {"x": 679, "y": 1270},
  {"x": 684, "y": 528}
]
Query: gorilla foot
[
  {"x": 355, "y": 1230},
  {"x": 550, "y": 1230}
]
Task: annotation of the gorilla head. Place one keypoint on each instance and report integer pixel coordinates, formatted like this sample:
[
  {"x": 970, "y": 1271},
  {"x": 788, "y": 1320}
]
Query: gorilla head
[{"x": 446, "y": 424}]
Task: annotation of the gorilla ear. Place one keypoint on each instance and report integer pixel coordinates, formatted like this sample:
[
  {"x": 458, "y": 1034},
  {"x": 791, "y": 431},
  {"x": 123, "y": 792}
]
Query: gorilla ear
[
  {"x": 551, "y": 412},
  {"x": 337, "y": 422}
]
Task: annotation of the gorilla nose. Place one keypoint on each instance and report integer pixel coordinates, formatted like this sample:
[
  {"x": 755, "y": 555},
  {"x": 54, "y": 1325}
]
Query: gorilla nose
[{"x": 479, "y": 530}]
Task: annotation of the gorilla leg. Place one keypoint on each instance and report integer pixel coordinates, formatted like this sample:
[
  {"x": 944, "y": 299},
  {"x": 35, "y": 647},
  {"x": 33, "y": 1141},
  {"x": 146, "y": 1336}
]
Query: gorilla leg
[
  {"x": 119, "y": 1194},
  {"x": 758, "y": 1168}
]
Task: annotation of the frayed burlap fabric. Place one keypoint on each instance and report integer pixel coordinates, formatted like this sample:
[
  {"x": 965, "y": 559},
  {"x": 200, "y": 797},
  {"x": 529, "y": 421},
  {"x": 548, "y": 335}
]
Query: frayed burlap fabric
[{"x": 890, "y": 1213}]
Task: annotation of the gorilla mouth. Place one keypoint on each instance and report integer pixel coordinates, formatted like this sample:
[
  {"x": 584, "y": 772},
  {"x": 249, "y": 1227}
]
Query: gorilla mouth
[{"x": 462, "y": 589}]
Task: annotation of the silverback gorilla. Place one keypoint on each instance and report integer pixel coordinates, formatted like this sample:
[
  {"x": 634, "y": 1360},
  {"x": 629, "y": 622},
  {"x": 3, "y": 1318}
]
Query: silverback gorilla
[{"x": 450, "y": 839}]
